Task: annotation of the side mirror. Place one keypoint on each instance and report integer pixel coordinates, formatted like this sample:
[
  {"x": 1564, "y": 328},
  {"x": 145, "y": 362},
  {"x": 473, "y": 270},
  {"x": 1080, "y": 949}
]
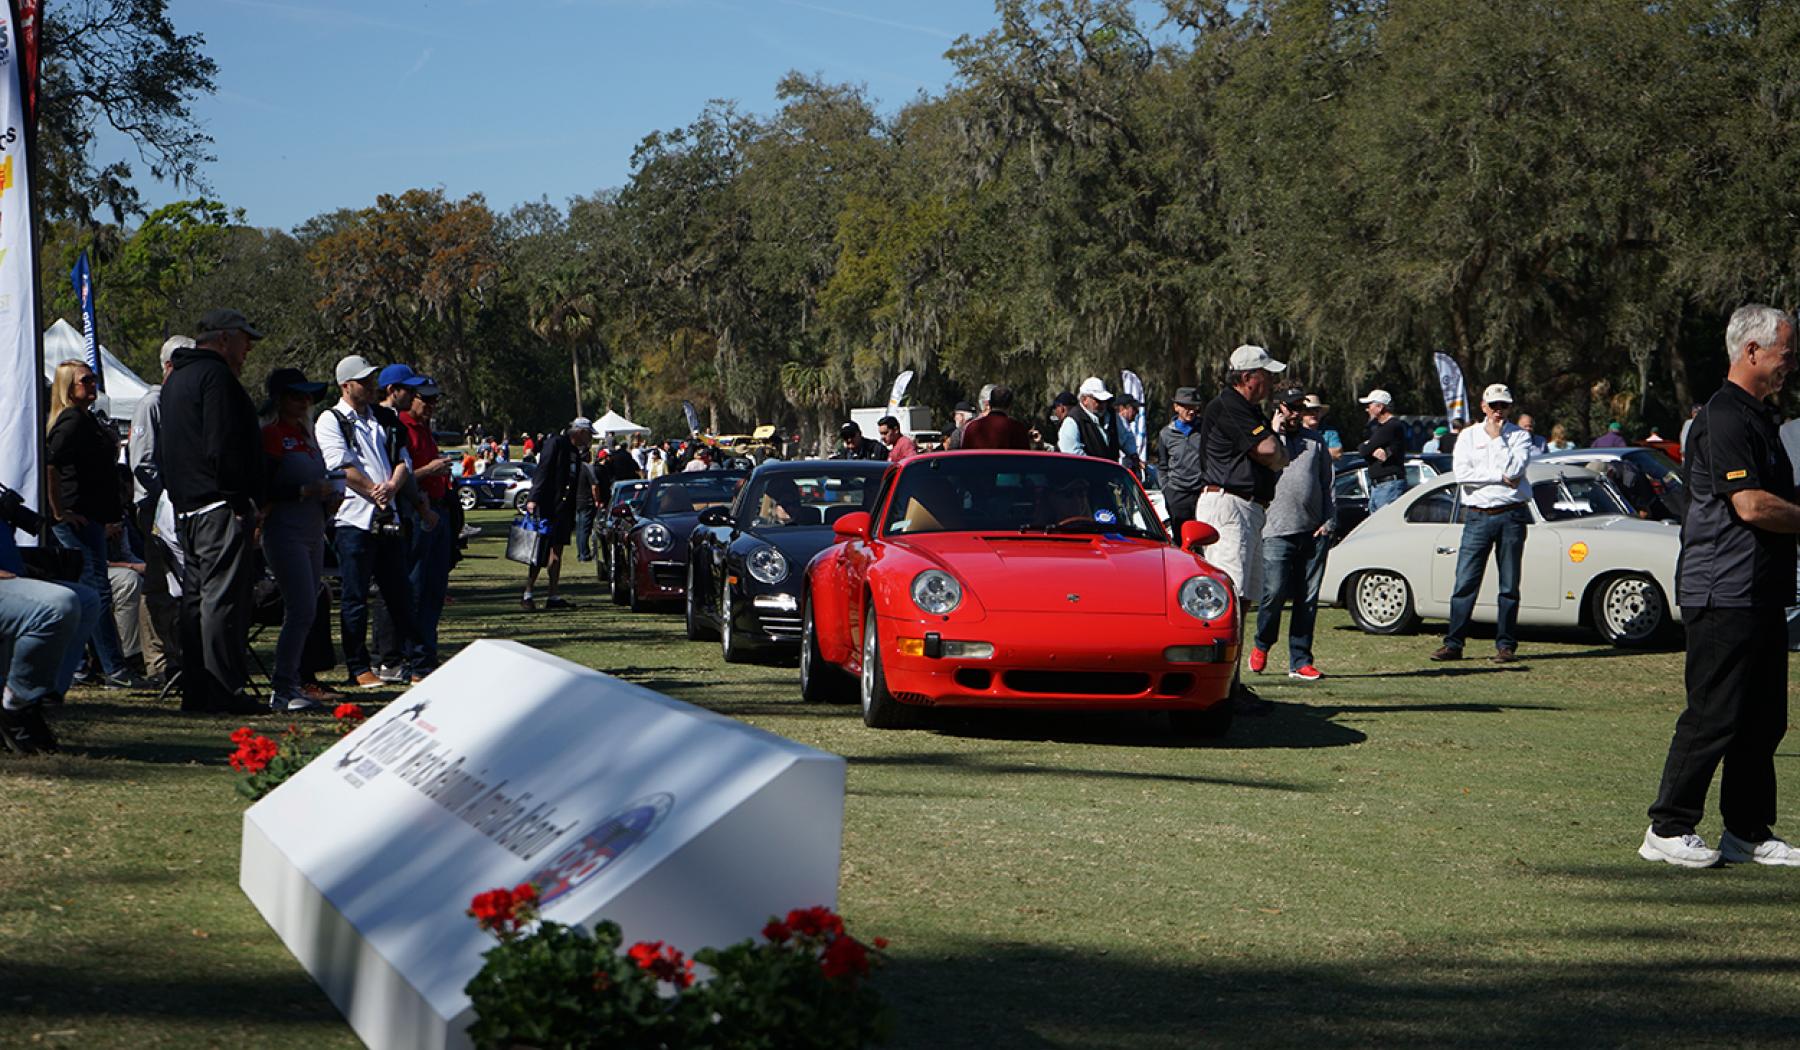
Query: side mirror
[
  {"x": 716, "y": 516},
  {"x": 1197, "y": 534},
  {"x": 853, "y": 526}
]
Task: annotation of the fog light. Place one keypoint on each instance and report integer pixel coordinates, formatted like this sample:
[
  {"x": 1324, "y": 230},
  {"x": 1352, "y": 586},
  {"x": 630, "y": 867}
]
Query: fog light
[
  {"x": 779, "y": 602},
  {"x": 912, "y": 646},
  {"x": 1192, "y": 654},
  {"x": 970, "y": 650}
]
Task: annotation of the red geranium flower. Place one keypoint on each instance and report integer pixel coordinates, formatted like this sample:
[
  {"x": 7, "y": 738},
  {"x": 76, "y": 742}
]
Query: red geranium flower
[
  {"x": 664, "y": 963},
  {"x": 817, "y": 921},
  {"x": 349, "y": 713},
  {"x": 844, "y": 955},
  {"x": 777, "y": 932}
]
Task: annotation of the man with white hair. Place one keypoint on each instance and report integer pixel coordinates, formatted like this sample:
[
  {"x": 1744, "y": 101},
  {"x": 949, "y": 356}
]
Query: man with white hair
[
  {"x": 1490, "y": 464},
  {"x": 1240, "y": 456},
  {"x": 1732, "y": 581},
  {"x": 1089, "y": 429},
  {"x": 162, "y": 642}
]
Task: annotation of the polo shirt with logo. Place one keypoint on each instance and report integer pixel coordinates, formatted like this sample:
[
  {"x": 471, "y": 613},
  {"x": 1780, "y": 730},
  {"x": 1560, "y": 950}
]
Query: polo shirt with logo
[{"x": 1734, "y": 446}]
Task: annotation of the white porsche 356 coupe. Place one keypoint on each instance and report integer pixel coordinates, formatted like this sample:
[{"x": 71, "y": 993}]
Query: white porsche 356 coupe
[{"x": 1589, "y": 560}]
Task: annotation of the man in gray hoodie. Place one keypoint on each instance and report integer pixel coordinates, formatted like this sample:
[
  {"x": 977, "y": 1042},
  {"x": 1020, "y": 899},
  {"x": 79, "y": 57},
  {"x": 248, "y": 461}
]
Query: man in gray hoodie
[{"x": 1296, "y": 536}]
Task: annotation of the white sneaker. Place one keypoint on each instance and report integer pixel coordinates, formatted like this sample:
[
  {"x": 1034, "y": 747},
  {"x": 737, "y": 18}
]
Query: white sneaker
[
  {"x": 1771, "y": 851},
  {"x": 1683, "y": 851},
  {"x": 286, "y": 703}
]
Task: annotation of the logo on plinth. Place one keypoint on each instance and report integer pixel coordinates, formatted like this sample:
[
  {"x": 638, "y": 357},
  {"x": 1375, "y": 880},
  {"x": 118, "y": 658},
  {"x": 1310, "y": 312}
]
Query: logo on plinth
[{"x": 597, "y": 850}]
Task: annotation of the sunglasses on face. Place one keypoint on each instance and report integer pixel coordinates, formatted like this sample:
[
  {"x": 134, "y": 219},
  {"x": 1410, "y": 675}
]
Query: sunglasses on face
[
  {"x": 87, "y": 380},
  {"x": 1500, "y": 406}
]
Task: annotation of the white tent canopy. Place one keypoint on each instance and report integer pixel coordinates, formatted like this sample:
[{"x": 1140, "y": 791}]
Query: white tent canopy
[
  {"x": 612, "y": 424},
  {"x": 123, "y": 387}
]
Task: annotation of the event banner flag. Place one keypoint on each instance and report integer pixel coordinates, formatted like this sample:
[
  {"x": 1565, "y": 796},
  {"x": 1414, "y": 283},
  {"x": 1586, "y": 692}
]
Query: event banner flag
[
  {"x": 693, "y": 418},
  {"x": 30, "y": 11},
  {"x": 898, "y": 394},
  {"x": 20, "y": 376},
  {"x": 1450, "y": 379},
  {"x": 82, "y": 278}
]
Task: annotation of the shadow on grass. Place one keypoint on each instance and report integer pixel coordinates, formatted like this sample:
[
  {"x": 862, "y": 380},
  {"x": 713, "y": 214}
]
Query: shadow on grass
[
  {"x": 70, "y": 990},
  {"x": 1005, "y": 996},
  {"x": 1287, "y": 726},
  {"x": 963, "y": 761}
]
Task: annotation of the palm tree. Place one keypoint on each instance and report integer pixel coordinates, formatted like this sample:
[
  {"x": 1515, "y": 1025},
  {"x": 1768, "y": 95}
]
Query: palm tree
[{"x": 565, "y": 309}]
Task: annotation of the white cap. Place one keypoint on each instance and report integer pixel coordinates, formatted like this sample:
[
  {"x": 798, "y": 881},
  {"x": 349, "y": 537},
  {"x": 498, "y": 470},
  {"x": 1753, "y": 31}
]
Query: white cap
[
  {"x": 1496, "y": 394},
  {"x": 1250, "y": 357},
  {"x": 1377, "y": 396},
  {"x": 172, "y": 344},
  {"x": 354, "y": 367},
  {"x": 1093, "y": 387},
  {"x": 582, "y": 423}
]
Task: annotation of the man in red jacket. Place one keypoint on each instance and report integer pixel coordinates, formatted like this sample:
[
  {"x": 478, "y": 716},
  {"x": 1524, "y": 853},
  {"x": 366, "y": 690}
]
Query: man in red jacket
[{"x": 997, "y": 429}]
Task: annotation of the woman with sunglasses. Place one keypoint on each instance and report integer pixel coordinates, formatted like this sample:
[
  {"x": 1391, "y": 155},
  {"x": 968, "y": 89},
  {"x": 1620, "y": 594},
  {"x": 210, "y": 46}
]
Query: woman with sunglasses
[{"x": 85, "y": 503}]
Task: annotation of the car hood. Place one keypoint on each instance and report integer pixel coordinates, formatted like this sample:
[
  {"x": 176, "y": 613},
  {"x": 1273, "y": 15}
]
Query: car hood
[
  {"x": 1035, "y": 573},
  {"x": 797, "y": 545}
]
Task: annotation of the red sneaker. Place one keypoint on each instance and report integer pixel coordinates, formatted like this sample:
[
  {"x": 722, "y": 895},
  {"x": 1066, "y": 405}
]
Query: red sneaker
[
  {"x": 1259, "y": 658},
  {"x": 1309, "y": 673}
]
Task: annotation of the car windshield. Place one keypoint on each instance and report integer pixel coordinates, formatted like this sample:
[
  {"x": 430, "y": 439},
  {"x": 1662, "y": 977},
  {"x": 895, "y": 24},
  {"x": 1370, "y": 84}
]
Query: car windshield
[
  {"x": 690, "y": 493},
  {"x": 1000, "y": 493},
  {"x": 1577, "y": 496},
  {"x": 1656, "y": 465},
  {"x": 787, "y": 499},
  {"x": 625, "y": 491}
]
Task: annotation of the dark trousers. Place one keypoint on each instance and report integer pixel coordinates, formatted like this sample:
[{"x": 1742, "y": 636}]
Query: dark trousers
[
  {"x": 218, "y": 571},
  {"x": 1293, "y": 569},
  {"x": 1504, "y": 535},
  {"x": 1180, "y": 506},
  {"x": 90, "y": 541},
  {"x": 365, "y": 558},
  {"x": 1736, "y": 714},
  {"x": 584, "y": 533},
  {"x": 429, "y": 557}
]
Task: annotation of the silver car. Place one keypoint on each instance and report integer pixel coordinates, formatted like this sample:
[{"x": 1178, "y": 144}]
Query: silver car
[{"x": 1588, "y": 561}]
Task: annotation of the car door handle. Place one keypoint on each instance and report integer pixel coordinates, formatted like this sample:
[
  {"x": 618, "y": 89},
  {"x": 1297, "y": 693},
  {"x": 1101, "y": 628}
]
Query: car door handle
[{"x": 1446, "y": 550}]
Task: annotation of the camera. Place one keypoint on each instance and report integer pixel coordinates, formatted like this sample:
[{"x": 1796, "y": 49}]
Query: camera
[
  {"x": 386, "y": 523},
  {"x": 14, "y": 512}
]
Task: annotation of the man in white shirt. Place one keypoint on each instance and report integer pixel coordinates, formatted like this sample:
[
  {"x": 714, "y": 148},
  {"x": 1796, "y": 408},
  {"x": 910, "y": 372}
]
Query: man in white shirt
[
  {"x": 1490, "y": 476},
  {"x": 369, "y": 543},
  {"x": 1088, "y": 429}
]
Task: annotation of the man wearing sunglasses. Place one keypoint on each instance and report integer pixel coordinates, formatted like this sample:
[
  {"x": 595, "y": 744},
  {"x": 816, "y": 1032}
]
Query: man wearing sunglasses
[{"x": 1490, "y": 475}]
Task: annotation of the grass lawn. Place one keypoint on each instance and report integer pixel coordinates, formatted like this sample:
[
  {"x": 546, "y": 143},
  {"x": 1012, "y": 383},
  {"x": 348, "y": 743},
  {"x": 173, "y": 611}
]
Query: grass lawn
[{"x": 1403, "y": 852}]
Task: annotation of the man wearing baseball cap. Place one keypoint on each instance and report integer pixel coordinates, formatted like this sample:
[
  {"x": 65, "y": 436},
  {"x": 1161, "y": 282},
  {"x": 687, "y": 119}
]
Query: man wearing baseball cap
[
  {"x": 1089, "y": 427},
  {"x": 1385, "y": 450},
  {"x": 1490, "y": 477},
  {"x": 1178, "y": 457},
  {"x": 212, "y": 470},
  {"x": 553, "y": 499},
  {"x": 1240, "y": 455}
]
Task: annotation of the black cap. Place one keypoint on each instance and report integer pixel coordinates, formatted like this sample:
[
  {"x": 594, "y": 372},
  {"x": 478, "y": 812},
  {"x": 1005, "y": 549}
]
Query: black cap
[
  {"x": 964, "y": 406},
  {"x": 1127, "y": 401},
  {"x": 849, "y": 430},
  {"x": 1187, "y": 397},
  {"x": 226, "y": 321},
  {"x": 292, "y": 381},
  {"x": 1064, "y": 398},
  {"x": 1290, "y": 395}
]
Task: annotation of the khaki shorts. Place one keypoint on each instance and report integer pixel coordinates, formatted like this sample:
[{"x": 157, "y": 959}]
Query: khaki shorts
[{"x": 1238, "y": 551}]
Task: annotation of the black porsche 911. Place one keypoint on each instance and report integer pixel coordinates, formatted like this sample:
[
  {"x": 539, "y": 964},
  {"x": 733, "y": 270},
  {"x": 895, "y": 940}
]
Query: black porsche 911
[
  {"x": 655, "y": 523},
  {"x": 746, "y": 561}
]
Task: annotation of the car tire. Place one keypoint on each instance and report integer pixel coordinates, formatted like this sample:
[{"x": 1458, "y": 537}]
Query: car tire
[
  {"x": 731, "y": 647},
  {"x": 879, "y": 708},
  {"x": 696, "y": 630},
  {"x": 465, "y": 498},
  {"x": 1630, "y": 611},
  {"x": 1381, "y": 602},
  {"x": 1210, "y": 724},
  {"x": 820, "y": 682},
  {"x": 520, "y": 498},
  {"x": 632, "y": 601},
  {"x": 615, "y": 580}
]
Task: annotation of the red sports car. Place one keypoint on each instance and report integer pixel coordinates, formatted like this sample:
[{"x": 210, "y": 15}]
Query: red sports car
[{"x": 1017, "y": 579}]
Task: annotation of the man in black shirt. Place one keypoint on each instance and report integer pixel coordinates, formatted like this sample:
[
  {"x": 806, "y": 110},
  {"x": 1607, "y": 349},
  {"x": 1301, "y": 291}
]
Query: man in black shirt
[
  {"x": 212, "y": 469},
  {"x": 1385, "y": 450},
  {"x": 852, "y": 444},
  {"x": 1239, "y": 457},
  {"x": 1733, "y": 581}
]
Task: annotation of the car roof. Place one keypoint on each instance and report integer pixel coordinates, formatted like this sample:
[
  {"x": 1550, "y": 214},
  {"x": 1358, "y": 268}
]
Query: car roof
[
  {"x": 1536, "y": 471},
  {"x": 822, "y": 466}
]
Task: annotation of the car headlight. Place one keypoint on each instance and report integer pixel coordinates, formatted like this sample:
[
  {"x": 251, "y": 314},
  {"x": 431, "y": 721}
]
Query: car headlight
[
  {"x": 1205, "y": 598},
  {"x": 657, "y": 538},
  {"x": 936, "y": 591},
  {"x": 768, "y": 565}
]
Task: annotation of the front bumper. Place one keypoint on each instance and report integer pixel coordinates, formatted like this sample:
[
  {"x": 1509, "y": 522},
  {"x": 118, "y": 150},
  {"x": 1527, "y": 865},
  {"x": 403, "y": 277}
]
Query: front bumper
[
  {"x": 1108, "y": 661},
  {"x": 767, "y": 620}
]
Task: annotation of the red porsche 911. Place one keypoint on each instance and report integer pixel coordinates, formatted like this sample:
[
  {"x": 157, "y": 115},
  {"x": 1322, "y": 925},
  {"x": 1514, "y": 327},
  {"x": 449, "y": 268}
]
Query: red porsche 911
[{"x": 1017, "y": 579}]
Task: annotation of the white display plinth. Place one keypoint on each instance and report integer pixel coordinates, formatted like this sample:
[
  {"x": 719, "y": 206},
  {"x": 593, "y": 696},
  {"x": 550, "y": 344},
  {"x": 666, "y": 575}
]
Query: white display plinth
[{"x": 506, "y": 766}]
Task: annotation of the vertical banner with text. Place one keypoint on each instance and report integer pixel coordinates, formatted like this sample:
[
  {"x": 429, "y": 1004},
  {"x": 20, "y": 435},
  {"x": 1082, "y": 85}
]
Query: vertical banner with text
[
  {"x": 21, "y": 376},
  {"x": 1450, "y": 380}
]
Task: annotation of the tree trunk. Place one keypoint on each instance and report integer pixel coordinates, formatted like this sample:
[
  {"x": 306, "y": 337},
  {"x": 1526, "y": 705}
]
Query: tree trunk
[
  {"x": 575, "y": 371},
  {"x": 1677, "y": 366}
]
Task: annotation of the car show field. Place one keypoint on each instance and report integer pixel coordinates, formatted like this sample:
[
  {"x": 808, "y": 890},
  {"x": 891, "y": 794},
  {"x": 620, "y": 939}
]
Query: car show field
[{"x": 1403, "y": 852}]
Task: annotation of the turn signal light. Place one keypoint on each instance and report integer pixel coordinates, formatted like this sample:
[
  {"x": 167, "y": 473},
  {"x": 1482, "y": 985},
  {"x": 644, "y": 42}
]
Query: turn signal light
[
  {"x": 1193, "y": 654},
  {"x": 912, "y": 646}
]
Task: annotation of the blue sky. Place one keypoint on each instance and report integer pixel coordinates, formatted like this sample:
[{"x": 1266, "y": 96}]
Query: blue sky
[{"x": 324, "y": 104}]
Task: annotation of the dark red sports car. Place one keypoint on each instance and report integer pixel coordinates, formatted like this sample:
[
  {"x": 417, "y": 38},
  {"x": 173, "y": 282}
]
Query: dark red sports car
[{"x": 1017, "y": 579}]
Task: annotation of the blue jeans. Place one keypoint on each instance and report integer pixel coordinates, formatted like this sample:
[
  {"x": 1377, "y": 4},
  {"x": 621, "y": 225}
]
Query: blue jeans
[
  {"x": 429, "y": 577},
  {"x": 1383, "y": 493},
  {"x": 1293, "y": 568},
  {"x": 584, "y": 529},
  {"x": 363, "y": 559},
  {"x": 41, "y": 626},
  {"x": 90, "y": 540},
  {"x": 1504, "y": 535}
]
